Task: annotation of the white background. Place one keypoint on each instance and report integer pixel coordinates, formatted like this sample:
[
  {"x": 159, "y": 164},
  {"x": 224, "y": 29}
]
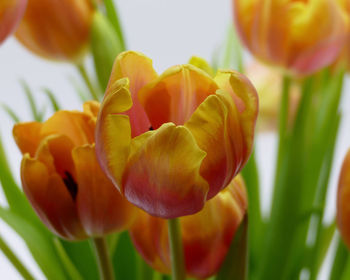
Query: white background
[{"x": 169, "y": 32}]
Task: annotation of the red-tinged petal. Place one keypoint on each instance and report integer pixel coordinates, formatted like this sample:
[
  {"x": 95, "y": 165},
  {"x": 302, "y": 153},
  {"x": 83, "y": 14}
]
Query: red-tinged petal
[
  {"x": 50, "y": 199},
  {"x": 246, "y": 100},
  {"x": 162, "y": 174},
  {"x": 27, "y": 136},
  {"x": 11, "y": 12},
  {"x": 217, "y": 130},
  {"x": 206, "y": 235},
  {"x": 77, "y": 126},
  {"x": 343, "y": 201},
  {"x": 113, "y": 132},
  {"x": 139, "y": 70},
  {"x": 101, "y": 207},
  {"x": 176, "y": 94}
]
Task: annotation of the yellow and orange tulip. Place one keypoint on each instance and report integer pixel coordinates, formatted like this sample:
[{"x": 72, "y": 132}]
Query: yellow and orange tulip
[
  {"x": 11, "y": 12},
  {"x": 345, "y": 4},
  {"x": 57, "y": 30},
  {"x": 173, "y": 141},
  {"x": 206, "y": 235},
  {"x": 268, "y": 83},
  {"x": 63, "y": 180},
  {"x": 343, "y": 201},
  {"x": 302, "y": 36}
]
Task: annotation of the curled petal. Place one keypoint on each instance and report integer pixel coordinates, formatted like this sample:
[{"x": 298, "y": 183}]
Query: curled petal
[
  {"x": 217, "y": 129},
  {"x": 113, "y": 132},
  {"x": 176, "y": 94},
  {"x": 50, "y": 199},
  {"x": 139, "y": 70},
  {"x": 101, "y": 207},
  {"x": 91, "y": 108},
  {"x": 162, "y": 174},
  {"x": 27, "y": 136},
  {"x": 343, "y": 209},
  {"x": 206, "y": 235},
  {"x": 246, "y": 100},
  {"x": 77, "y": 126}
]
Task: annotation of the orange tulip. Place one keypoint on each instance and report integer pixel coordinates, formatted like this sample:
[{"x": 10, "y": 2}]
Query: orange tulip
[
  {"x": 343, "y": 201},
  {"x": 301, "y": 35},
  {"x": 206, "y": 235},
  {"x": 11, "y": 12},
  {"x": 57, "y": 30},
  {"x": 345, "y": 4},
  {"x": 62, "y": 179},
  {"x": 173, "y": 141}
]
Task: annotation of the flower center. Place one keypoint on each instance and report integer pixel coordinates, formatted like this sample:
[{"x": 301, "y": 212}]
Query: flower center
[{"x": 71, "y": 185}]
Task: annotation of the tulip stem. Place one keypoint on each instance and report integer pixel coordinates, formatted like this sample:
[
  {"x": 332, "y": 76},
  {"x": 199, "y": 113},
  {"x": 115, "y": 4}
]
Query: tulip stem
[
  {"x": 14, "y": 260},
  {"x": 84, "y": 75},
  {"x": 103, "y": 258},
  {"x": 176, "y": 250}
]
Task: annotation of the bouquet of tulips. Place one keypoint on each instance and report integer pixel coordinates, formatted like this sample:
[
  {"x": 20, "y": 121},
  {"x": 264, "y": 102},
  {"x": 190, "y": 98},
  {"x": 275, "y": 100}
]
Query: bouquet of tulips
[{"x": 156, "y": 176}]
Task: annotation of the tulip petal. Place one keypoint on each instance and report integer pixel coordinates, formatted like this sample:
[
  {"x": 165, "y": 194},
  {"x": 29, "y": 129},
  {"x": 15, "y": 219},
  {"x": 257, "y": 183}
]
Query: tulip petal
[
  {"x": 50, "y": 199},
  {"x": 216, "y": 127},
  {"x": 91, "y": 108},
  {"x": 27, "y": 136},
  {"x": 201, "y": 64},
  {"x": 77, "y": 126},
  {"x": 101, "y": 207},
  {"x": 139, "y": 70},
  {"x": 113, "y": 132},
  {"x": 162, "y": 175},
  {"x": 246, "y": 100},
  {"x": 176, "y": 94},
  {"x": 206, "y": 235}
]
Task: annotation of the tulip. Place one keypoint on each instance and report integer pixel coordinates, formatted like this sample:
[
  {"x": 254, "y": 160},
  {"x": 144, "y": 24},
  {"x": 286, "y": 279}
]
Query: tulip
[
  {"x": 57, "y": 30},
  {"x": 268, "y": 83},
  {"x": 302, "y": 36},
  {"x": 206, "y": 235},
  {"x": 343, "y": 201},
  {"x": 62, "y": 179},
  {"x": 11, "y": 12},
  {"x": 173, "y": 141},
  {"x": 345, "y": 5}
]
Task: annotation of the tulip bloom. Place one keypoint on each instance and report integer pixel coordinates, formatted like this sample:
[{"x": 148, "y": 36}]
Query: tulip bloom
[
  {"x": 63, "y": 180},
  {"x": 57, "y": 30},
  {"x": 173, "y": 141},
  {"x": 343, "y": 201},
  {"x": 206, "y": 235},
  {"x": 11, "y": 12},
  {"x": 302, "y": 36},
  {"x": 345, "y": 4},
  {"x": 268, "y": 83}
]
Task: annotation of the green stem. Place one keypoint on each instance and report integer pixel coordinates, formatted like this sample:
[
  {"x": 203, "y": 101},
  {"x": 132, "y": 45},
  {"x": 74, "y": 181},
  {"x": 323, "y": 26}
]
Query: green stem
[
  {"x": 84, "y": 75},
  {"x": 14, "y": 260},
  {"x": 340, "y": 260},
  {"x": 176, "y": 250},
  {"x": 103, "y": 258},
  {"x": 113, "y": 17}
]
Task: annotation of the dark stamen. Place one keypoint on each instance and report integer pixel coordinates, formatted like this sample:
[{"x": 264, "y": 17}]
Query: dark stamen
[
  {"x": 151, "y": 128},
  {"x": 71, "y": 185}
]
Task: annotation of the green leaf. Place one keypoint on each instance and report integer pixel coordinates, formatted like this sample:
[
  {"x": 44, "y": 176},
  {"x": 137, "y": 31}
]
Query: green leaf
[
  {"x": 113, "y": 18},
  {"x": 14, "y": 196},
  {"x": 124, "y": 258},
  {"x": 54, "y": 104},
  {"x": 105, "y": 46},
  {"x": 82, "y": 257},
  {"x": 235, "y": 265},
  {"x": 340, "y": 261},
  {"x": 11, "y": 113},
  {"x": 31, "y": 100},
  {"x": 66, "y": 261},
  {"x": 39, "y": 242}
]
